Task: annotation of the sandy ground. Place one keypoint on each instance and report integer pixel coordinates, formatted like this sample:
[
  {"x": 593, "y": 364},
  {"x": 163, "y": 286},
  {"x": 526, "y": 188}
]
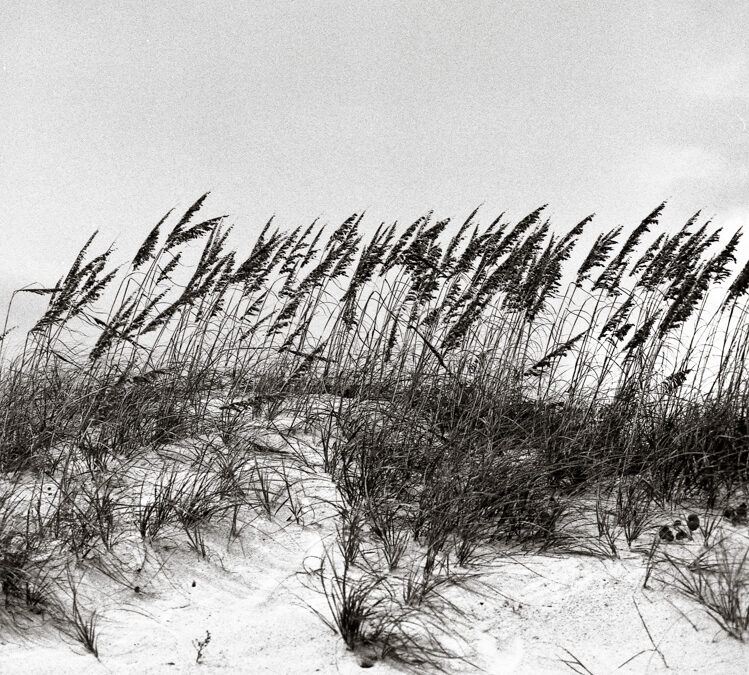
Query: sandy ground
[{"x": 526, "y": 613}]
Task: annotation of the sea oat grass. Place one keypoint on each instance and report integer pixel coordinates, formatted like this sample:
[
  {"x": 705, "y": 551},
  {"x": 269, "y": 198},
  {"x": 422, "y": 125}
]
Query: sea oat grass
[{"x": 467, "y": 388}]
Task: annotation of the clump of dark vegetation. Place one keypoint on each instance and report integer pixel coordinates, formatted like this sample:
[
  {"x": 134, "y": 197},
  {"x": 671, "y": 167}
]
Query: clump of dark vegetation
[{"x": 470, "y": 385}]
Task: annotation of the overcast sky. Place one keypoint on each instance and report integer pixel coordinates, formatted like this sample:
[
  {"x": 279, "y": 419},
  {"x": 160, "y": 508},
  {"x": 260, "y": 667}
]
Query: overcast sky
[{"x": 113, "y": 112}]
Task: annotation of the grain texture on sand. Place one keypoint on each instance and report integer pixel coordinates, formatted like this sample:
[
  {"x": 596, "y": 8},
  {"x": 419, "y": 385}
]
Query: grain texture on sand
[{"x": 525, "y": 613}]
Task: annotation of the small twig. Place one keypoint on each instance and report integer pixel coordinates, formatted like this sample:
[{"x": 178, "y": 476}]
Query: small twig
[
  {"x": 650, "y": 637},
  {"x": 632, "y": 658},
  {"x": 575, "y": 663}
]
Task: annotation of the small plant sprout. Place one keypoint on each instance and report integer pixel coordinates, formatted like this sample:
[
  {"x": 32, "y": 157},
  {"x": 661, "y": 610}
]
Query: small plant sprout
[{"x": 200, "y": 646}]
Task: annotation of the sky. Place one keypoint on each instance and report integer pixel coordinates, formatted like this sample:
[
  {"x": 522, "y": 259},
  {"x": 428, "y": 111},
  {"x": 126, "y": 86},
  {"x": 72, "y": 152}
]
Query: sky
[{"x": 114, "y": 112}]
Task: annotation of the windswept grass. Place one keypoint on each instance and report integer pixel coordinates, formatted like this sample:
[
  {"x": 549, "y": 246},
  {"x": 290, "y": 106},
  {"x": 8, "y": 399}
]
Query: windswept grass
[{"x": 468, "y": 384}]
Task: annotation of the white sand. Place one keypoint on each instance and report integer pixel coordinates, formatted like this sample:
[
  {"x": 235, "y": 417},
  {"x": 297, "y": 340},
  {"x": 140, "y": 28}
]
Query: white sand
[{"x": 254, "y": 598}]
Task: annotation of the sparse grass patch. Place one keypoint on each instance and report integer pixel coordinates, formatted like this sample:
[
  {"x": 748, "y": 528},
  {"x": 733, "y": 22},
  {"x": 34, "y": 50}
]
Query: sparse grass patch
[{"x": 717, "y": 579}]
